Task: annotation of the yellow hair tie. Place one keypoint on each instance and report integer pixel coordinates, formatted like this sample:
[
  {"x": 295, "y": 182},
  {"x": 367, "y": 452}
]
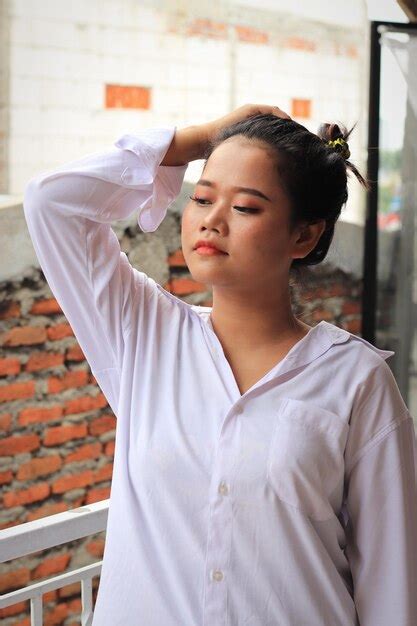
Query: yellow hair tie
[{"x": 340, "y": 145}]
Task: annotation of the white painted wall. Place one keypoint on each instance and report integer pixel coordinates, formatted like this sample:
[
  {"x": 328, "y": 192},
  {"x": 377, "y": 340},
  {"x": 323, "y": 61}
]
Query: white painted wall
[
  {"x": 63, "y": 53},
  {"x": 335, "y": 12}
]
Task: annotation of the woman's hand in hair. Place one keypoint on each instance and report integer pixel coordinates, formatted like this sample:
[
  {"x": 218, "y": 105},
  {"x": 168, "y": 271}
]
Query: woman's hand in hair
[
  {"x": 241, "y": 113},
  {"x": 190, "y": 143}
]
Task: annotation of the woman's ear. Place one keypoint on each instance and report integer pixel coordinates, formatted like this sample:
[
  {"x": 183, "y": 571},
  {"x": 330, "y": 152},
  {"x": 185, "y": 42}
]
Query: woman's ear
[{"x": 307, "y": 235}]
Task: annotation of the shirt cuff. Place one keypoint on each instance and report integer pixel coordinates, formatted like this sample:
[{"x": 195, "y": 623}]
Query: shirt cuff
[{"x": 151, "y": 145}]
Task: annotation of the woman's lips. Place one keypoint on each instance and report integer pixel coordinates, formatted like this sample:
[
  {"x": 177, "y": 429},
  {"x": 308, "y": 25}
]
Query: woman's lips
[{"x": 208, "y": 251}]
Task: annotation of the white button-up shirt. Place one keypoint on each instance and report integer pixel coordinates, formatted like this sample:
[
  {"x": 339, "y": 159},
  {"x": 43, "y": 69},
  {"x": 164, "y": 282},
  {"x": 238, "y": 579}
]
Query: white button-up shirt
[{"x": 293, "y": 504}]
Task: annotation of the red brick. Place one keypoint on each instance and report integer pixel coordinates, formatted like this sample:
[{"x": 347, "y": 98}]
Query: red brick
[
  {"x": 51, "y": 508},
  {"x": 353, "y": 326},
  {"x": 37, "y": 492},
  {"x": 9, "y": 367},
  {"x": 39, "y": 415},
  {"x": 104, "y": 473},
  {"x": 73, "y": 481},
  {"x": 351, "y": 307},
  {"x": 177, "y": 259},
  {"x": 17, "y": 444},
  {"x": 68, "y": 381},
  {"x": 24, "y": 622},
  {"x": 207, "y": 28},
  {"x": 300, "y": 43},
  {"x": 45, "y": 307},
  {"x": 50, "y": 596},
  {"x": 75, "y": 354},
  {"x": 67, "y": 432},
  {"x": 9, "y": 309},
  {"x": 68, "y": 591},
  {"x": 102, "y": 424},
  {"x": 39, "y": 467},
  {"x": 75, "y": 504},
  {"x": 59, "y": 331},
  {"x": 83, "y": 453},
  {"x": 251, "y": 35},
  {"x": 74, "y": 605},
  {"x": 5, "y": 422},
  {"x": 10, "y": 581},
  {"x": 127, "y": 97},
  {"x": 300, "y": 107},
  {"x": 17, "y": 391},
  {"x": 85, "y": 403},
  {"x": 15, "y": 609},
  {"x": 95, "y": 547},
  {"x": 97, "y": 494},
  {"x": 43, "y": 360},
  {"x": 184, "y": 286},
  {"x": 109, "y": 448},
  {"x": 6, "y": 477},
  {"x": 24, "y": 336},
  {"x": 51, "y": 565},
  {"x": 56, "y": 615}
]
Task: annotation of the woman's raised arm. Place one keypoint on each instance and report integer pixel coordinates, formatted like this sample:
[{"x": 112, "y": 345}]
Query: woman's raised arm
[{"x": 69, "y": 211}]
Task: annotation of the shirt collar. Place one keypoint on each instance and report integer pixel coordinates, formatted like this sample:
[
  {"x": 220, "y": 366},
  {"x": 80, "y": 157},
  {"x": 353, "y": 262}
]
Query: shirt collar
[
  {"x": 313, "y": 345},
  {"x": 317, "y": 341}
]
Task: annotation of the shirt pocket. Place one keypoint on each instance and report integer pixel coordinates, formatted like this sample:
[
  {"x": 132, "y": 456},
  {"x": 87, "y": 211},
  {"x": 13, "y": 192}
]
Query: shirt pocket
[{"x": 306, "y": 457}]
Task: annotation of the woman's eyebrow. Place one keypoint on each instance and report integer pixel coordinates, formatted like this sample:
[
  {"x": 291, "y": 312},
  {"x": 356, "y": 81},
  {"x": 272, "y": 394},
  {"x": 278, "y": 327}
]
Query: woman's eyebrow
[{"x": 253, "y": 192}]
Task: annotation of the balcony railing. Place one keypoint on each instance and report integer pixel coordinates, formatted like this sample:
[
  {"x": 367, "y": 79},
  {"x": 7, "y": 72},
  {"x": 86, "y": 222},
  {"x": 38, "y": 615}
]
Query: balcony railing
[{"x": 49, "y": 532}]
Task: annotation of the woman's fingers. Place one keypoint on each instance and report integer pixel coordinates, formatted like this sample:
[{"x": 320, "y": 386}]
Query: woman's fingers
[
  {"x": 255, "y": 109},
  {"x": 280, "y": 113},
  {"x": 242, "y": 113}
]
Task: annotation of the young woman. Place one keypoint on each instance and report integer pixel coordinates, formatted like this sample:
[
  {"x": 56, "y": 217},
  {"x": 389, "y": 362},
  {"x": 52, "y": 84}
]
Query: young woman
[{"x": 264, "y": 470}]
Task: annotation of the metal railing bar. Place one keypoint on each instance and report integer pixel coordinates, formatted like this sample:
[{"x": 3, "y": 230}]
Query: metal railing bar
[
  {"x": 36, "y": 611},
  {"x": 86, "y": 602},
  {"x": 57, "y": 582},
  {"x": 53, "y": 530}
]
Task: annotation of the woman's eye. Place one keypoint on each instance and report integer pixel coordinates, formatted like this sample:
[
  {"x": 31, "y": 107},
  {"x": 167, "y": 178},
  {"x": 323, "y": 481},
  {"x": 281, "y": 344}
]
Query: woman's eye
[
  {"x": 197, "y": 200},
  {"x": 241, "y": 208}
]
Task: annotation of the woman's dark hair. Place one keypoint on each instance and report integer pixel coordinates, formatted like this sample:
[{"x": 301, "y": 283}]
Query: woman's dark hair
[{"x": 313, "y": 174}]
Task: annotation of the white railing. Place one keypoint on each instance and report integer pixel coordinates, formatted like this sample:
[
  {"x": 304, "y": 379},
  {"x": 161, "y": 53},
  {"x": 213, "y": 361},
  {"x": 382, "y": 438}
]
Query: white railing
[{"x": 49, "y": 532}]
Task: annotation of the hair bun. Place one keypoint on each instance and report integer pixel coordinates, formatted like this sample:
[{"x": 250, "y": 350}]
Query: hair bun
[
  {"x": 340, "y": 145},
  {"x": 335, "y": 136},
  {"x": 330, "y": 132}
]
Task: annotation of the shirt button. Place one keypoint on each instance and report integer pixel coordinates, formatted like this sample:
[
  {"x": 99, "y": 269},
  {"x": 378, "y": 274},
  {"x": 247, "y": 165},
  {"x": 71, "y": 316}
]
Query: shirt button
[
  {"x": 217, "y": 575},
  {"x": 239, "y": 410},
  {"x": 223, "y": 489}
]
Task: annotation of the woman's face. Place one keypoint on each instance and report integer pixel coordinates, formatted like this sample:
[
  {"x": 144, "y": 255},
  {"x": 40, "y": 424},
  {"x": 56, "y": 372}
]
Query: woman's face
[{"x": 253, "y": 229}]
